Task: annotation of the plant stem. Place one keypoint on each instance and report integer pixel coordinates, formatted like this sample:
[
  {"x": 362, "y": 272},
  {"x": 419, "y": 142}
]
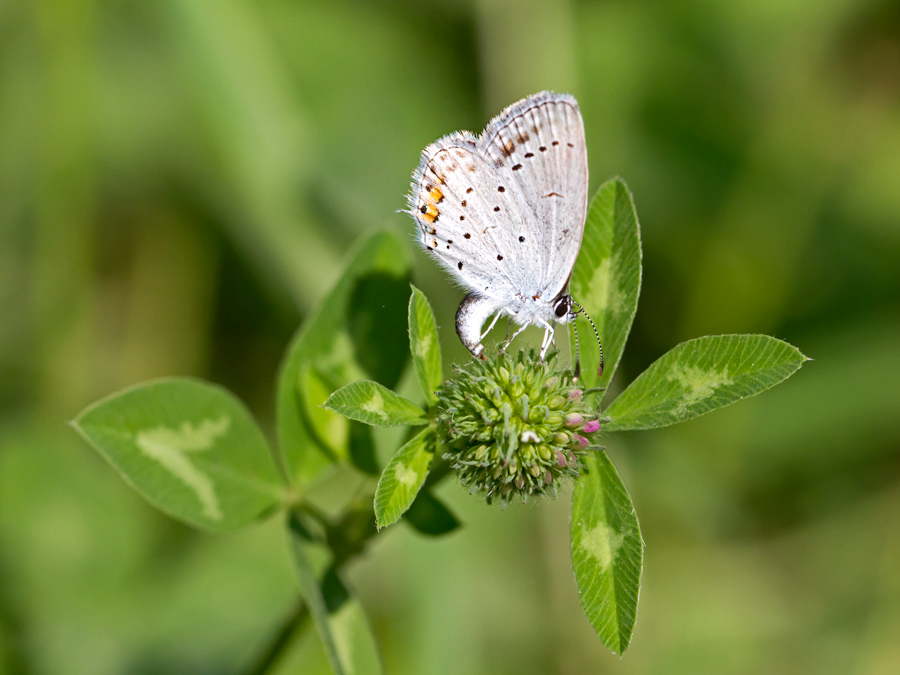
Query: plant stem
[
  {"x": 282, "y": 639},
  {"x": 358, "y": 536}
]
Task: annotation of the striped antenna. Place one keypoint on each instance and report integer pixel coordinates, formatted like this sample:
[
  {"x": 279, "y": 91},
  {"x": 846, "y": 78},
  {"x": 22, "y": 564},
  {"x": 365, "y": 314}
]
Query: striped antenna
[{"x": 599, "y": 344}]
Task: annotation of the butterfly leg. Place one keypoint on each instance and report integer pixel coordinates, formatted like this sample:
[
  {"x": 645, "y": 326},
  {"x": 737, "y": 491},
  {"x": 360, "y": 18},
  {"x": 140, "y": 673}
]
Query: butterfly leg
[
  {"x": 508, "y": 342},
  {"x": 493, "y": 323},
  {"x": 548, "y": 339}
]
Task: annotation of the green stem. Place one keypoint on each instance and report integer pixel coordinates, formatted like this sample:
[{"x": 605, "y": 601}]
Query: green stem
[
  {"x": 353, "y": 539},
  {"x": 282, "y": 639}
]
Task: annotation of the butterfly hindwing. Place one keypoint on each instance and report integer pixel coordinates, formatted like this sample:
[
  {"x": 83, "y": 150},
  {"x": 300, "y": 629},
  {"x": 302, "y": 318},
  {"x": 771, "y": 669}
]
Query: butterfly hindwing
[{"x": 467, "y": 216}]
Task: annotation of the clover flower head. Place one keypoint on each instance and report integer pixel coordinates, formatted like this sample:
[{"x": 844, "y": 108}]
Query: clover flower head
[{"x": 515, "y": 426}]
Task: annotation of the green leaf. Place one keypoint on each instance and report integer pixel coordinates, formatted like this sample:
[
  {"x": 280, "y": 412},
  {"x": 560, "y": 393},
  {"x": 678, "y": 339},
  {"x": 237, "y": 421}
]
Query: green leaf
[
  {"x": 403, "y": 477},
  {"x": 376, "y": 323},
  {"x": 190, "y": 448},
  {"x": 607, "y": 551},
  {"x": 369, "y": 402},
  {"x": 325, "y": 342},
  {"x": 430, "y": 516},
  {"x": 425, "y": 345},
  {"x": 606, "y": 280},
  {"x": 328, "y": 429},
  {"x": 702, "y": 375},
  {"x": 362, "y": 448},
  {"x": 338, "y": 616}
]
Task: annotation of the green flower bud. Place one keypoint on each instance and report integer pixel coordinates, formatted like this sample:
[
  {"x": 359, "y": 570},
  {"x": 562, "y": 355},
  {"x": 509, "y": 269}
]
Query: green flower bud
[{"x": 557, "y": 402}]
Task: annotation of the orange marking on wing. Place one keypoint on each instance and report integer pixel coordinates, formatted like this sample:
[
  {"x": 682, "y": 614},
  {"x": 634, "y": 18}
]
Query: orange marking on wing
[{"x": 431, "y": 213}]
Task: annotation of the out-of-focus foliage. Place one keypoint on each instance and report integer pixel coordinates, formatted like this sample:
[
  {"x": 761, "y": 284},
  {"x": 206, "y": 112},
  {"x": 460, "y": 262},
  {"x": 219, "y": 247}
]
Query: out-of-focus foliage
[
  {"x": 216, "y": 473},
  {"x": 179, "y": 181}
]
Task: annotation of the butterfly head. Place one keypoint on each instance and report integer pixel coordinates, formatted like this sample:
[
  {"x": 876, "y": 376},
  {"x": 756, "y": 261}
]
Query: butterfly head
[{"x": 562, "y": 308}]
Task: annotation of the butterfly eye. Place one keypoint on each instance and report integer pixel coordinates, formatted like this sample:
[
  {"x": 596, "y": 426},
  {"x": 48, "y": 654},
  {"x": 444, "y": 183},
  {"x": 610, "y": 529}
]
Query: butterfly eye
[{"x": 562, "y": 307}]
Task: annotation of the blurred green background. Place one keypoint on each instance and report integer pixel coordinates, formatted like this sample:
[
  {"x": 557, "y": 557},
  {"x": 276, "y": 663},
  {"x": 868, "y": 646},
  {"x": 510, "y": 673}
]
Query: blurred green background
[{"x": 179, "y": 181}]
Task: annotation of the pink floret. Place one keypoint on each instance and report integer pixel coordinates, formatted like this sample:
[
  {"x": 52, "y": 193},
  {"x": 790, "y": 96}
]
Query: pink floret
[{"x": 591, "y": 426}]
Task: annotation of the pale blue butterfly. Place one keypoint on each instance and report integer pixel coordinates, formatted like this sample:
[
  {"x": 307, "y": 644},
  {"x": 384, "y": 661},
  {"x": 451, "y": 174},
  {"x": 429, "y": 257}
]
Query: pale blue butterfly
[{"x": 504, "y": 214}]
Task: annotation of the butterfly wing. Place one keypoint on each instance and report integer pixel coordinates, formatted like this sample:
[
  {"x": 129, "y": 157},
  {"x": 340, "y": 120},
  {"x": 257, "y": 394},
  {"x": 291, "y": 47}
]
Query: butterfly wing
[
  {"x": 537, "y": 148},
  {"x": 467, "y": 216}
]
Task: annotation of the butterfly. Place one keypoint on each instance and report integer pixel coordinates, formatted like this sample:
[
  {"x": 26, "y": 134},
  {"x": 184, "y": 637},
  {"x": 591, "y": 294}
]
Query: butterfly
[{"x": 504, "y": 213}]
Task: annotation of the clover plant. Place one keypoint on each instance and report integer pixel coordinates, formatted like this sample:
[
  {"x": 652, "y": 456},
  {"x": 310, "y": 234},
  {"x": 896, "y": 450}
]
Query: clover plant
[{"x": 509, "y": 427}]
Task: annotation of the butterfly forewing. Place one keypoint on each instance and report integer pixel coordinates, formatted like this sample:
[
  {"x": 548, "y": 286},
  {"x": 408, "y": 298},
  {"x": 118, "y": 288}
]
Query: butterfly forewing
[{"x": 537, "y": 147}]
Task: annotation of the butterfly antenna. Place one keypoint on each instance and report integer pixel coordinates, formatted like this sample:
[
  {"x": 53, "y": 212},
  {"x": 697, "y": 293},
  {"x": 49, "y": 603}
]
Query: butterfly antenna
[
  {"x": 577, "y": 373},
  {"x": 599, "y": 344}
]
